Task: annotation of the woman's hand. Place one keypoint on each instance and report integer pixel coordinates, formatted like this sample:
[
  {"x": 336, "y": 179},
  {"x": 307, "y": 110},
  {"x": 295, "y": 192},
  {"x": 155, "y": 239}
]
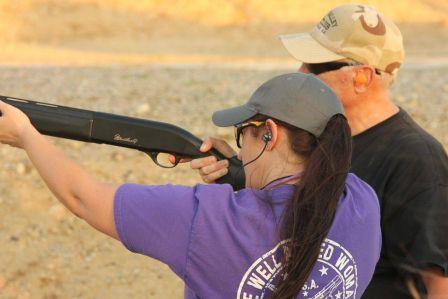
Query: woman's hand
[
  {"x": 208, "y": 167},
  {"x": 14, "y": 125}
]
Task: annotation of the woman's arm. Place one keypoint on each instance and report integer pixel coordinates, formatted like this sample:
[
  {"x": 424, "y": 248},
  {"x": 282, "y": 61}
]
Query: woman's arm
[{"x": 84, "y": 196}]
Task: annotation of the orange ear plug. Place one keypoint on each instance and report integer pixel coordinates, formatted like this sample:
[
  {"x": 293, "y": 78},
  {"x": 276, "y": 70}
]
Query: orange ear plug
[{"x": 360, "y": 79}]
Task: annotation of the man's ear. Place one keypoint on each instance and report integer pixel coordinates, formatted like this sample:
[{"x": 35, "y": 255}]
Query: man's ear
[
  {"x": 270, "y": 135},
  {"x": 363, "y": 78}
]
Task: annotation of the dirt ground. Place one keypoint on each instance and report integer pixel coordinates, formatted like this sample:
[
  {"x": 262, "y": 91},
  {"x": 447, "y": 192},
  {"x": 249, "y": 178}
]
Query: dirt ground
[
  {"x": 176, "y": 72},
  {"x": 48, "y": 253}
]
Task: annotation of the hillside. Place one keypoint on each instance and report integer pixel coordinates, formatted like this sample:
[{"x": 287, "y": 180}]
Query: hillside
[{"x": 120, "y": 31}]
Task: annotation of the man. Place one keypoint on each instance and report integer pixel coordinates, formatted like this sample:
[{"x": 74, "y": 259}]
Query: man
[{"x": 358, "y": 52}]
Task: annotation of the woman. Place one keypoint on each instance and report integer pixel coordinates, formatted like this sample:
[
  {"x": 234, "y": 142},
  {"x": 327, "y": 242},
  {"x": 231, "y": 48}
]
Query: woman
[{"x": 302, "y": 227}]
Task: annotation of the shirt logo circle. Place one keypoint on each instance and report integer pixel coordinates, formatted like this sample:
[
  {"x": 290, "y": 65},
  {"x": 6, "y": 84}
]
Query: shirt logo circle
[{"x": 334, "y": 275}]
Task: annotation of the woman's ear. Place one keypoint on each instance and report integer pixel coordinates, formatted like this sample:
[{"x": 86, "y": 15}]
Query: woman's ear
[{"x": 270, "y": 135}]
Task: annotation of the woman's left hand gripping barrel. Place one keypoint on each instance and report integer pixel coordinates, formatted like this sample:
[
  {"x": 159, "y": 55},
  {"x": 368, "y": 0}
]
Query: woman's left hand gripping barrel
[{"x": 14, "y": 125}]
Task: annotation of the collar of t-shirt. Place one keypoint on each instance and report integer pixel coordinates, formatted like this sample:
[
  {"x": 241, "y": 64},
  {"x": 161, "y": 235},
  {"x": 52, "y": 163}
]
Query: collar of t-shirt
[
  {"x": 280, "y": 181},
  {"x": 385, "y": 123}
]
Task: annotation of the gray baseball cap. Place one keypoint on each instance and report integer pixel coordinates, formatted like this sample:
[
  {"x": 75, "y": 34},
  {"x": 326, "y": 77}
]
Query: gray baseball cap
[{"x": 299, "y": 99}]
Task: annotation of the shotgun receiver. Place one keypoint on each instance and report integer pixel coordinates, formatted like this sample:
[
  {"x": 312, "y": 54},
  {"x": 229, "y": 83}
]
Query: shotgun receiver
[{"x": 157, "y": 139}]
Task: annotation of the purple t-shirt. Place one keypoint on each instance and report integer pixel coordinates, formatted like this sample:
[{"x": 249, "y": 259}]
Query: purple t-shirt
[{"x": 225, "y": 244}]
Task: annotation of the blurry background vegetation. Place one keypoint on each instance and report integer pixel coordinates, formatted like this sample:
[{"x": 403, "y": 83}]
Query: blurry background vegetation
[{"x": 187, "y": 31}]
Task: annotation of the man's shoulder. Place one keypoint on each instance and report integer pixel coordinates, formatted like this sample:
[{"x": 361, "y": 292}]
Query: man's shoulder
[
  {"x": 399, "y": 137},
  {"x": 399, "y": 149},
  {"x": 412, "y": 141},
  {"x": 413, "y": 149}
]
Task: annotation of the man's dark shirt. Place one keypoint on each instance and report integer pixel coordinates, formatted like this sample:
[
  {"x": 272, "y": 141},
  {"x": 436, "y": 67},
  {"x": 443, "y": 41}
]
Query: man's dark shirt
[{"x": 408, "y": 169}]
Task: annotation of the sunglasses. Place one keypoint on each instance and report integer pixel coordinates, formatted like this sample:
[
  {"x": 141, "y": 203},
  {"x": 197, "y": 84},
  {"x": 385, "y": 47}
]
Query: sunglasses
[
  {"x": 240, "y": 127},
  {"x": 319, "y": 68}
]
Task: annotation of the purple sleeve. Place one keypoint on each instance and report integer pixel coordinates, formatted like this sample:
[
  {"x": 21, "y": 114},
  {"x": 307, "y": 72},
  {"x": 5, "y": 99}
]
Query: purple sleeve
[{"x": 156, "y": 221}]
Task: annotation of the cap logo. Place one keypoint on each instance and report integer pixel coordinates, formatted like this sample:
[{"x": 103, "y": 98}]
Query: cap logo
[
  {"x": 327, "y": 22},
  {"x": 370, "y": 20}
]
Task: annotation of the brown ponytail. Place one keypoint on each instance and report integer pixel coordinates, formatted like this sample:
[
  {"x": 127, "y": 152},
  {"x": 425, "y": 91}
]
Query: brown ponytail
[{"x": 308, "y": 218}]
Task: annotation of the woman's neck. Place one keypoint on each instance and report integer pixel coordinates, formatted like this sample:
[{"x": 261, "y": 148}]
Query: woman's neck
[
  {"x": 286, "y": 180},
  {"x": 277, "y": 173}
]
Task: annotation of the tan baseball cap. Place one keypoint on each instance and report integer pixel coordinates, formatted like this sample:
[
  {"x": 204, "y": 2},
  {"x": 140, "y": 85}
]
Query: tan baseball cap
[{"x": 357, "y": 32}]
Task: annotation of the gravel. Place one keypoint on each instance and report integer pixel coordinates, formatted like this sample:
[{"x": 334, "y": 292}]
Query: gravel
[{"x": 48, "y": 253}]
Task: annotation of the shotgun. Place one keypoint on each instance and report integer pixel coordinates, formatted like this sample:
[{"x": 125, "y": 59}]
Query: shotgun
[{"x": 156, "y": 139}]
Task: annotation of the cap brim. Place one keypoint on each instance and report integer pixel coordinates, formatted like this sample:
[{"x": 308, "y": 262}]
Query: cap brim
[
  {"x": 232, "y": 116},
  {"x": 306, "y": 49}
]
